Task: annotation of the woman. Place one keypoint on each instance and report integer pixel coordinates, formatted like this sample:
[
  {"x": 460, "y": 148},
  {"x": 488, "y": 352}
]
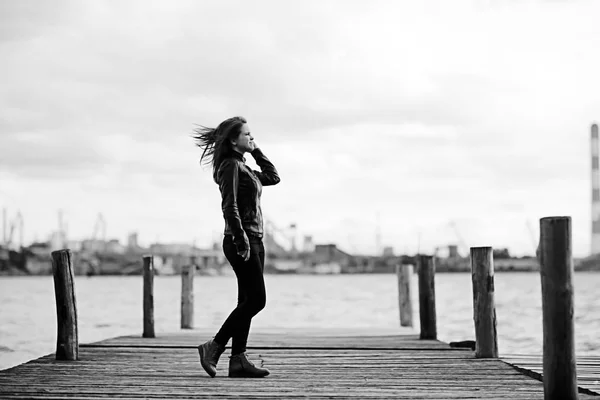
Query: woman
[{"x": 241, "y": 188}]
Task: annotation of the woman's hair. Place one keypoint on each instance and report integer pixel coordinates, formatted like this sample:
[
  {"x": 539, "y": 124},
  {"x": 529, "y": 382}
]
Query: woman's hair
[{"x": 216, "y": 142}]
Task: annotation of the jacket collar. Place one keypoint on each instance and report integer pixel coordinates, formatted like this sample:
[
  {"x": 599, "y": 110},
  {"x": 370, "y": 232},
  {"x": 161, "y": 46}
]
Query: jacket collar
[{"x": 238, "y": 156}]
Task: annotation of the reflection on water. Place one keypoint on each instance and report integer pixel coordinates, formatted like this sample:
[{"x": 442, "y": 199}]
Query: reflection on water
[{"x": 111, "y": 306}]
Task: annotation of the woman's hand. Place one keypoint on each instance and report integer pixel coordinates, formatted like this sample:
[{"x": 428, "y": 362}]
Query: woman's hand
[{"x": 244, "y": 254}]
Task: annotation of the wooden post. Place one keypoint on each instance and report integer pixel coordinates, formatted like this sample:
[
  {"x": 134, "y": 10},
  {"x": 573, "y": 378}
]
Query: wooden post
[
  {"x": 67, "y": 341},
  {"x": 148, "y": 297},
  {"x": 427, "y": 297},
  {"x": 484, "y": 310},
  {"x": 404, "y": 273},
  {"x": 187, "y": 296},
  {"x": 556, "y": 270}
]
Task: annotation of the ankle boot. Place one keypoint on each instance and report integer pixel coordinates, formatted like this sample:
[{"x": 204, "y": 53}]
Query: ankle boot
[
  {"x": 209, "y": 356},
  {"x": 241, "y": 367}
]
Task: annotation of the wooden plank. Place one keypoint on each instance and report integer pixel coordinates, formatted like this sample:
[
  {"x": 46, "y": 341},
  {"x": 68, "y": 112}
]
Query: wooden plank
[
  {"x": 134, "y": 372},
  {"x": 176, "y": 373},
  {"x": 588, "y": 368},
  {"x": 192, "y": 338}
]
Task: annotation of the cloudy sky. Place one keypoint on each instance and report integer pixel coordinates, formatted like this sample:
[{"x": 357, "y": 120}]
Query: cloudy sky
[{"x": 403, "y": 117}]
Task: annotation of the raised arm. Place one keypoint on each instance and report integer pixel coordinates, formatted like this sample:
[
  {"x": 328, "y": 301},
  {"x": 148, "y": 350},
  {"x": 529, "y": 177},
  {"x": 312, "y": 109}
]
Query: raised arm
[
  {"x": 268, "y": 174},
  {"x": 228, "y": 178}
]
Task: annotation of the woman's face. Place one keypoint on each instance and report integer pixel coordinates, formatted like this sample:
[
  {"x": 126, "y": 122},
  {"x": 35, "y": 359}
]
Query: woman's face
[{"x": 244, "y": 142}]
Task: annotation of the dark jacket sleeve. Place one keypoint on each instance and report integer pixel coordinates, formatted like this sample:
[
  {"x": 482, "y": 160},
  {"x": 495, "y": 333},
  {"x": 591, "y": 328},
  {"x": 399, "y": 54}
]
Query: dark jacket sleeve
[
  {"x": 268, "y": 174},
  {"x": 228, "y": 178}
]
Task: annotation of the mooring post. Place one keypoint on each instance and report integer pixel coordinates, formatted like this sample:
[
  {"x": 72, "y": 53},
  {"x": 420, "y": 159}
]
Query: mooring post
[
  {"x": 556, "y": 270},
  {"x": 404, "y": 273},
  {"x": 148, "y": 296},
  {"x": 67, "y": 341},
  {"x": 484, "y": 309},
  {"x": 426, "y": 265},
  {"x": 187, "y": 294}
]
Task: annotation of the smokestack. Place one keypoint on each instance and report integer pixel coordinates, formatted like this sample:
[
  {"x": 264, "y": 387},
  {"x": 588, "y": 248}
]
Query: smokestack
[
  {"x": 4, "y": 232},
  {"x": 595, "y": 192},
  {"x": 21, "y": 234}
]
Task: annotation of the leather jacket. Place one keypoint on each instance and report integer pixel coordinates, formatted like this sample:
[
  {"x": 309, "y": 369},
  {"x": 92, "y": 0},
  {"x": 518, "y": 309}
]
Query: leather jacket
[{"x": 241, "y": 188}]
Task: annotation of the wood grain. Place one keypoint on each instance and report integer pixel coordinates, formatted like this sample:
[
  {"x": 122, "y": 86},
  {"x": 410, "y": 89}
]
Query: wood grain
[
  {"x": 484, "y": 310},
  {"x": 588, "y": 368},
  {"x": 556, "y": 270},
  {"x": 427, "y": 313},
  {"x": 404, "y": 274},
  {"x": 148, "y": 297},
  {"x": 108, "y": 370},
  {"x": 67, "y": 339},
  {"x": 187, "y": 296}
]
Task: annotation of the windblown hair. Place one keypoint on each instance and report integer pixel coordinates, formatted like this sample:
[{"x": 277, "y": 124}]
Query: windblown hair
[{"x": 216, "y": 142}]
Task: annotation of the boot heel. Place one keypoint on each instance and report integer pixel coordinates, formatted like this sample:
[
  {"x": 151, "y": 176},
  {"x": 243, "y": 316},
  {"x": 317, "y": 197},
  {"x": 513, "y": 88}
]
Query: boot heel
[
  {"x": 209, "y": 353},
  {"x": 241, "y": 367}
]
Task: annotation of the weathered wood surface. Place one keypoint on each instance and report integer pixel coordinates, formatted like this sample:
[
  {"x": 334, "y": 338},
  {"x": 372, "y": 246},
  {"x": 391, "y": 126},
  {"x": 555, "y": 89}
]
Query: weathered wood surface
[
  {"x": 187, "y": 296},
  {"x": 484, "y": 309},
  {"x": 427, "y": 312},
  {"x": 134, "y": 372},
  {"x": 67, "y": 338},
  {"x": 588, "y": 368},
  {"x": 304, "y": 339},
  {"x": 404, "y": 274},
  {"x": 148, "y": 297},
  {"x": 556, "y": 270}
]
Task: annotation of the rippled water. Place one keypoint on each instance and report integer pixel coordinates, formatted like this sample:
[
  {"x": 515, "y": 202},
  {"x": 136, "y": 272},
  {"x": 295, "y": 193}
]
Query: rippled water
[{"x": 111, "y": 306}]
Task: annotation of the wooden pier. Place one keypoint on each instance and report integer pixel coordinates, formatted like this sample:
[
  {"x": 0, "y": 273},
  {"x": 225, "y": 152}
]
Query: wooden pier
[
  {"x": 320, "y": 363},
  {"x": 334, "y": 363}
]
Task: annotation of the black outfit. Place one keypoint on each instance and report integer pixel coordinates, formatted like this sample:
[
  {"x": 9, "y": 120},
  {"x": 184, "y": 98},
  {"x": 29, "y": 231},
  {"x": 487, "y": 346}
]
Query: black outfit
[{"x": 241, "y": 188}]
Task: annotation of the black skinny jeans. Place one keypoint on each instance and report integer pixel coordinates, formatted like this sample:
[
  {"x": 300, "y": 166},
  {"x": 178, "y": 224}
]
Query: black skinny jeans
[{"x": 251, "y": 293}]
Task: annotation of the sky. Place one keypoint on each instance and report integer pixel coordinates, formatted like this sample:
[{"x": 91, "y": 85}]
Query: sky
[{"x": 411, "y": 124}]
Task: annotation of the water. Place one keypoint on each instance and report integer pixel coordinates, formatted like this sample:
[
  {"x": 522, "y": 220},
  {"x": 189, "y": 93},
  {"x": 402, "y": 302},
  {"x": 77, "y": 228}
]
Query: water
[{"x": 111, "y": 306}]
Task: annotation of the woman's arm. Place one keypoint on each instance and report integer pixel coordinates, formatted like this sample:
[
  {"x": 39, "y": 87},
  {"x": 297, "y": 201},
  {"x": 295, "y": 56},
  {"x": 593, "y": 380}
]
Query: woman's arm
[
  {"x": 268, "y": 174},
  {"x": 228, "y": 178}
]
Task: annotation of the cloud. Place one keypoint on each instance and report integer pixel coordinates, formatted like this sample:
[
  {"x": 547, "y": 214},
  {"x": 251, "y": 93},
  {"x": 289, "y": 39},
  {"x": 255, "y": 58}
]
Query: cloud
[
  {"x": 424, "y": 111},
  {"x": 26, "y": 20},
  {"x": 48, "y": 154}
]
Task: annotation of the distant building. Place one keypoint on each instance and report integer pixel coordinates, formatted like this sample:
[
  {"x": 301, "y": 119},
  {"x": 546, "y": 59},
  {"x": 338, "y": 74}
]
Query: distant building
[
  {"x": 175, "y": 255},
  {"x": 73, "y": 245},
  {"x": 132, "y": 241},
  {"x": 308, "y": 245},
  {"x": 101, "y": 246},
  {"x": 93, "y": 245},
  {"x": 326, "y": 253},
  {"x": 453, "y": 251},
  {"x": 114, "y": 246},
  {"x": 57, "y": 240}
]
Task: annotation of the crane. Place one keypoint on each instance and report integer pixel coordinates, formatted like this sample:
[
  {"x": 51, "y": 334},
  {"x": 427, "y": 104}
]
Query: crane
[
  {"x": 461, "y": 242},
  {"x": 4, "y": 233},
  {"x": 532, "y": 236},
  {"x": 100, "y": 226},
  {"x": 62, "y": 225},
  {"x": 291, "y": 237},
  {"x": 17, "y": 222}
]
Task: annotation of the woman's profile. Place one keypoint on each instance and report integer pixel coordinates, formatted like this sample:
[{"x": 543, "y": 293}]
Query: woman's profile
[{"x": 224, "y": 147}]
